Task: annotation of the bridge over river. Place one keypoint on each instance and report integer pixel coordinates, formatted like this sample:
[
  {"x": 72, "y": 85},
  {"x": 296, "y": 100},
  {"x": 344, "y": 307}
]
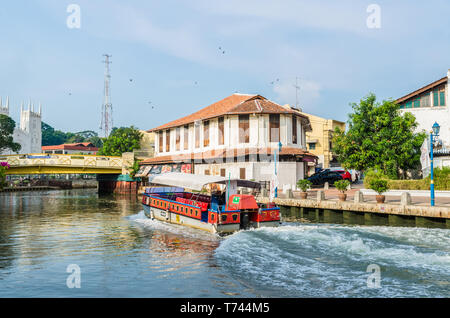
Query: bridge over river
[{"x": 27, "y": 164}]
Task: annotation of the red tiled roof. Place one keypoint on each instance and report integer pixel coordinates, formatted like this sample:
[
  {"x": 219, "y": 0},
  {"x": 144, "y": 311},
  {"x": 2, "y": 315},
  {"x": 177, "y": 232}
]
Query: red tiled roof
[
  {"x": 234, "y": 104},
  {"x": 86, "y": 146},
  {"x": 225, "y": 153}
]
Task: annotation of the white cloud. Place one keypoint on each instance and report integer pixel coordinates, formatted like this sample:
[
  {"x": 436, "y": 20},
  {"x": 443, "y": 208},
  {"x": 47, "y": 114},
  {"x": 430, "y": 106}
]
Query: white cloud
[{"x": 342, "y": 15}]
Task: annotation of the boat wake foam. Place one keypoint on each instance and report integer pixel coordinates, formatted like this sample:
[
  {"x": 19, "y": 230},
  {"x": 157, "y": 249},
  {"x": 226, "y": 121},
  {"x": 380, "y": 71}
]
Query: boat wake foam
[
  {"x": 331, "y": 260},
  {"x": 157, "y": 225}
]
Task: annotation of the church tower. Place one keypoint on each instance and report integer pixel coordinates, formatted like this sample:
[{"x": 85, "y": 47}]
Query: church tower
[
  {"x": 30, "y": 124},
  {"x": 4, "y": 110},
  {"x": 27, "y": 133}
]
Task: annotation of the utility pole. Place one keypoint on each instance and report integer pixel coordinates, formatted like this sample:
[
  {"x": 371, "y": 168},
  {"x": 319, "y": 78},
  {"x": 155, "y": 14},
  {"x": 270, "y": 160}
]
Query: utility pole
[
  {"x": 107, "y": 119},
  {"x": 297, "y": 88}
]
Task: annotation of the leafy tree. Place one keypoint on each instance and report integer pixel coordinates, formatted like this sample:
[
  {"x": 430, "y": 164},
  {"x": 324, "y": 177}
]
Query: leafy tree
[
  {"x": 96, "y": 141},
  {"x": 134, "y": 168},
  {"x": 7, "y": 125},
  {"x": 51, "y": 137},
  {"x": 124, "y": 139},
  {"x": 87, "y": 134},
  {"x": 378, "y": 136},
  {"x": 73, "y": 138}
]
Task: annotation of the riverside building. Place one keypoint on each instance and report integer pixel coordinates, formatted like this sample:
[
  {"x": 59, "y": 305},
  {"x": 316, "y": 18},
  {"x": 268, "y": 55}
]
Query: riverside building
[
  {"x": 239, "y": 136},
  {"x": 429, "y": 104}
]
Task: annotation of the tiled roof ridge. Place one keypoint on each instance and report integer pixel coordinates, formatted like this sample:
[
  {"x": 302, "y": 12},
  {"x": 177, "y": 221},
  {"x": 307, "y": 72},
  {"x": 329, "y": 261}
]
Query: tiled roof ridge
[{"x": 198, "y": 114}]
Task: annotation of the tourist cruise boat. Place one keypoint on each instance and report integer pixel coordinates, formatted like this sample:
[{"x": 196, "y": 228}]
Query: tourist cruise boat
[{"x": 221, "y": 212}]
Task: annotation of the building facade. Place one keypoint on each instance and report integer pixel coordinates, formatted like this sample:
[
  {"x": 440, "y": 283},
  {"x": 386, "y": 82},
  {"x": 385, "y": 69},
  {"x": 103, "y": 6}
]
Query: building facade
[
  {"x": 429, "y": 104},
  {"x": 28, "y": 133},
  {"x": 239, "y": 136},
  {"x": 82, "y": 148},
  {"x": 319, "y": 139}
]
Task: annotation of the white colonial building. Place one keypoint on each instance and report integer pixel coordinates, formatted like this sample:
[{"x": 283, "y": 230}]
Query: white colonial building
[
  {"x": 28, "y": 133},
  {"x": 238, "y": 137},
  {"x": 429, "y": 104}
]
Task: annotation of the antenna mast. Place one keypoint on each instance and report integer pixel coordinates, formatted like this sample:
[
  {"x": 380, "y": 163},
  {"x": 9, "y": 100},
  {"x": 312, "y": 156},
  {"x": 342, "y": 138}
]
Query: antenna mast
[
  {"x": 296, "y": 92},
  {"x": 107, "y": 119}
]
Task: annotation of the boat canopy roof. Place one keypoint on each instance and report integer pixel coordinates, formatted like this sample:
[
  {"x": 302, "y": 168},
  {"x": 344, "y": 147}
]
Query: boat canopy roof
[{"x": 195, "y": 181}]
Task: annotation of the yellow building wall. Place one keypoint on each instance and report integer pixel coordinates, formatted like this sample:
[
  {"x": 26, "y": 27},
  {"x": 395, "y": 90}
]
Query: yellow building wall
[
  {"x": 322, "y": 133},
  {"x": 147, "y": 146}
]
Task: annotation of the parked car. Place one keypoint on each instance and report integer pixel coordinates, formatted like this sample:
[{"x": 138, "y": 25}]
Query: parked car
[
  {"x": 346, "y": 175},
  {"x": 326, "y": 175}
]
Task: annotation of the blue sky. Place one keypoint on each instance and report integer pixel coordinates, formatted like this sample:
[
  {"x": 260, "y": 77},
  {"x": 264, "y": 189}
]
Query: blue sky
[{"x": 171, "y": 51}]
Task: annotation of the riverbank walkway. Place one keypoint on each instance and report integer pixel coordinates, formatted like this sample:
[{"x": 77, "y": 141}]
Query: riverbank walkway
[
  {"x": 418, "y": 198},
  {"x": 400, "y": 208}
]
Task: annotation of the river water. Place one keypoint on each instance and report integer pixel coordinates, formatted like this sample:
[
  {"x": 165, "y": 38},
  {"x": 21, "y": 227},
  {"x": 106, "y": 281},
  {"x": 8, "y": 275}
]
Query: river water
[{"x": 121, "y": 253}]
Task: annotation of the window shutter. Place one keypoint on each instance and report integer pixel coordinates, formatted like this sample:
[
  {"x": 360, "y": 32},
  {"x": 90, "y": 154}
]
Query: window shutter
[
  {"x": 442, "y": 98},
  {"x": 435, "y": 98}
]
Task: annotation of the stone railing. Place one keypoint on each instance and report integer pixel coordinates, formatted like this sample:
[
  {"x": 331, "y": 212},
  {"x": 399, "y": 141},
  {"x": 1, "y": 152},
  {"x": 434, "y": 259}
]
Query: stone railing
[{"x": 70, "y": 160}]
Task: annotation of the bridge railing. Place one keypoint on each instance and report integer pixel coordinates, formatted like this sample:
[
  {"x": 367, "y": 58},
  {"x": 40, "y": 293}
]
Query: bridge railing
[{"x": 69, "y": 160}]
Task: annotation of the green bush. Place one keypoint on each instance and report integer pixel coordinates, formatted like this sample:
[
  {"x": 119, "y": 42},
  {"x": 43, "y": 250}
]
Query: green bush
[
  {"x": 441, "y": 181},
  {"x": 373, "y": 174},
  {"x": 379, "y": 185},
  {"x": 342, "y": 185},
  {"x": 303, "y": 184}
]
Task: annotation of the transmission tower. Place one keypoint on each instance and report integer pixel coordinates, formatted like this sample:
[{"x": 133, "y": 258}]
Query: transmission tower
[{"x": 107, "y": 111}]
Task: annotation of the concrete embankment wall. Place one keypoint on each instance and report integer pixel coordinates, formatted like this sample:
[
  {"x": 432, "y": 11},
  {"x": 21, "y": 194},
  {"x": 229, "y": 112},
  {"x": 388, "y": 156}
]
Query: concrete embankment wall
[
  {"x": 331, "y": 211},
  {"x": 82, "y": 184},
  {"x": 119, "y": 187}
]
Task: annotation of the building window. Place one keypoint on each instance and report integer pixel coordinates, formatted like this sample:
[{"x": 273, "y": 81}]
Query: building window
[
  {"x": 197, "y": 135},
  {"x": 439, "y": 96},
  {"x": 206, "y": 133},
  {"x": 177, "y": 138},
  {"x": 221, "y": 131},
  {"x": 206, "y": 172},
  {"x": 244, "y": 131},
  {"x": 416, "y": 103},
  {"x": 274, "y": 128},
  {"x": 186, "y": 137},
  {"x": 222, "y": 172},
  {"x": 242, "y": 173},
  {"x": 167, "y": 140},
  {"x": 294, "y": 129},
  {"x": 425, "y": 100},
  {"x": 442, "y": 98},
  {"x": 160, "y": 141},
  {"x": 312, "y": 146}
]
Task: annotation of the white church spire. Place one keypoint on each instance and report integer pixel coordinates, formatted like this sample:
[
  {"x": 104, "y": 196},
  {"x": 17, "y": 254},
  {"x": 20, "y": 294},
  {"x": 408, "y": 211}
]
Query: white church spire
[{"x": 7, "y": 102}]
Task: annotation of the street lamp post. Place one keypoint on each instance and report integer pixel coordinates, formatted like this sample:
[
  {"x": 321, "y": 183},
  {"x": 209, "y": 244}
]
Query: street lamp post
[
  {"x": 275, "y": 157},
  {"x": 433, "y": 137}
]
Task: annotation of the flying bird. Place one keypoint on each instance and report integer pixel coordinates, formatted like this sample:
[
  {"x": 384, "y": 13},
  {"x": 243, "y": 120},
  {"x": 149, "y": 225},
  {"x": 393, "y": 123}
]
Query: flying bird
[{"x": 273, "y": 82}]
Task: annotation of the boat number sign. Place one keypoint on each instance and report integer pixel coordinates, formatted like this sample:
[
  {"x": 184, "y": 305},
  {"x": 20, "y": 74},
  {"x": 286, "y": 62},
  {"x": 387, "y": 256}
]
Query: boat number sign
[{"x": 236, "y": 200}]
